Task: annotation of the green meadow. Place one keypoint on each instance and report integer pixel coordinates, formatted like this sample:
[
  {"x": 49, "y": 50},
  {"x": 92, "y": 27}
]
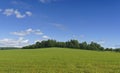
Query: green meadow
[{"x": 58, "y": 60}]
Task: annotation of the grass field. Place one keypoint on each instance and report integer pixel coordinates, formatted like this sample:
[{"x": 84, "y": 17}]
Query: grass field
[{"x": 58, "y": 60}]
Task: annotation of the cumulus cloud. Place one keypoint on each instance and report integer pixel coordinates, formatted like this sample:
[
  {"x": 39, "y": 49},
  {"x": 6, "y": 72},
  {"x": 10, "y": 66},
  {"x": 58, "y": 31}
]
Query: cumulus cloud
[
  {"x": 20, "y": 42},
  {"x": 27, "y": 32},
  {"x": 18, "y": 14},
  {"x": 37, "y": 32},
  {"x": 45, "y": 37},
  {"x": 47, "y": 1},
  {"x": 8, "y": 12},
  {"x": 29, "y": 13}
]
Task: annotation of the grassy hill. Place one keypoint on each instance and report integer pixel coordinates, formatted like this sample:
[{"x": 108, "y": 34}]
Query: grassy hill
[{"x": 58, "y": 60}]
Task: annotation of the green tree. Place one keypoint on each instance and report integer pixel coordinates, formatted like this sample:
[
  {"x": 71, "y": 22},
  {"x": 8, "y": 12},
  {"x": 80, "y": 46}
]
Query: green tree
[
  {"x": 72, "y": 44},
  {"x": 83, "y": 45},
  {"x": 95, "y": 46}
]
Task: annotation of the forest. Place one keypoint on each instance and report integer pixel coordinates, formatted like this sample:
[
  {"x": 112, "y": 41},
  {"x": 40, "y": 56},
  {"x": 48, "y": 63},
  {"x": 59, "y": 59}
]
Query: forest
[{"x": 73, "y": 44}]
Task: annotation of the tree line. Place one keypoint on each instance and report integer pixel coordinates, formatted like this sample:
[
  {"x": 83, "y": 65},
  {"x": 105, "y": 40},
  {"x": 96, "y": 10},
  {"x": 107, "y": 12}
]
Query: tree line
[
  {"x": 8, "y": 48},
  {"x": 74, "y": 44}
]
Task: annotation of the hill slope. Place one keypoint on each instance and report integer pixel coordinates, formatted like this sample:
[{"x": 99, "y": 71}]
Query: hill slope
[{"x": 58, "y": 60}]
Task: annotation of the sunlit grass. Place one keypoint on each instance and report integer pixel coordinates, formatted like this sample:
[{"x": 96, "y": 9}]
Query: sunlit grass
[{"x": 58, "y": 60}]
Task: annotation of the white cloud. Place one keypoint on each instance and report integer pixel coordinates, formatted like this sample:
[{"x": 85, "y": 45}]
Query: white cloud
[
  {"x": 18, "y": 14},
  {"x": 23, "y": 33},
  {"x": 101, "y": 41},
  {"x": 20, "y": 42},
  {"x": 27, "y": 32},
  {"x": 0, "y": 10},
  {"x": 37, "y": 41},
  {"x": 8, "y": 12},
  {"x": 29, "y": 13},
  {"x": 38, "y": 32},
  {"x": 46, "y": 1},
  {"x": 45, "y": 37},
  {"x": 20, "y": 33}
]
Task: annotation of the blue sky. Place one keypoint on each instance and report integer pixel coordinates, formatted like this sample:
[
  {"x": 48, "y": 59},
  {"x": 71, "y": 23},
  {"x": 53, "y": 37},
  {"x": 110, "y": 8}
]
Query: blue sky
[{"x": 22, "y": 22}]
